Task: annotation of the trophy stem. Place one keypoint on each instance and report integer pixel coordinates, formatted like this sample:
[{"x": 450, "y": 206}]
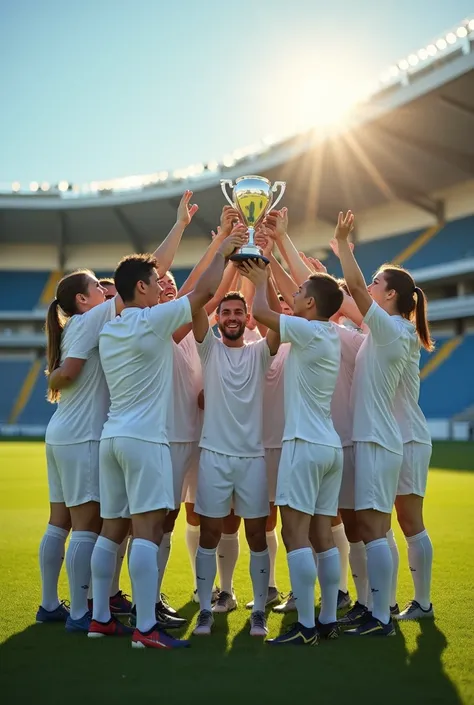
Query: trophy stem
[{"x": 251, "y": 232}]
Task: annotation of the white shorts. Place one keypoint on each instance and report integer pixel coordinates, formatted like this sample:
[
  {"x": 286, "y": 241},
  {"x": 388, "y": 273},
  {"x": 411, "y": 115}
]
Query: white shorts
[
  {"x": 184, "y": 459},
  {"x": 272, "y": 461},
  {"x": 376, "y": 477},
  {"x": 73, "y": 473},
  {"x": 309, "y": 477},
  {"x": 346, "y": 495},
  {"x": 225, "y": 481},
  {"x": 414, "y": 472},
  {"x": 135, "y": 477}
]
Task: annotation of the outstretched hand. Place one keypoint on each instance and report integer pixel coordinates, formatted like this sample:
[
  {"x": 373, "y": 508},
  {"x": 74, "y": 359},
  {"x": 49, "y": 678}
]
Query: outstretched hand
[
  {"x": 256, "y": 271},
  {"x": 334, "y": 245},
  {"x": 229, "y": 217},
  {"x": 276, "y": 223},
  {"x": 315, "y": 265},
  {"x": 185, "y": 210},
  {"x": 344, "y": 227},
  {"x": 238, "y": 238}
]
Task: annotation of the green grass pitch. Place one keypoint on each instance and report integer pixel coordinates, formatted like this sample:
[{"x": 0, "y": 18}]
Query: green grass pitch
[{"x": 428, "y": 662}]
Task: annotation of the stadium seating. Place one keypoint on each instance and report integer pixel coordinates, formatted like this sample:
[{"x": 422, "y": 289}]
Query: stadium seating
[
  {"x": 21, "y": 291},
  {"x": 12, "y": 374}
]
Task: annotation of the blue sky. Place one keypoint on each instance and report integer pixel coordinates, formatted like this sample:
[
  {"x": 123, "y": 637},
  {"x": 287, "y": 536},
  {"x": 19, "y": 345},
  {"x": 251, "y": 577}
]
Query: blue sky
[{"x": 106, "y": 88}]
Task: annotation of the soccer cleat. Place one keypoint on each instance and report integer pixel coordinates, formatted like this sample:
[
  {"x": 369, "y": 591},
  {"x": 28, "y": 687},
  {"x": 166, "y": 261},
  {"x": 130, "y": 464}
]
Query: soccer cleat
[
  {"x": 354, "y": 617},
  {"x": 288, "y": 604},
  {"x": 204, "y": 623},
  {"x": 414, "y": 610},
  {"x": 60, "y": 614},
  {"x": 79, "y": 625},
  {"x": 372, "y": 627},
  {"x": 297, "y": 635},
  {"x": 163, "y": 620},
  {"x": 273, "y": 598},
  {"x": 343, "y": 600},
  {"x": 328, "y": 631},
  {"x": 258, "y": 624},
  {"x": 214, "y": 596},
  {"x": 395, "y": 610},
  {"x": 225, "y": 603},
  {"x": 165, "y": 607},
  {"x": 120, "y": 604},
  {"x": 113, "y": 627},
  {"x": 156, "y": 639}
]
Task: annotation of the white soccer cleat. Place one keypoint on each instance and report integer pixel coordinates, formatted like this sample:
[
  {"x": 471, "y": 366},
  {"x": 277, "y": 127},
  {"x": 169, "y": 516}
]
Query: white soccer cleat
[
  {"x": 204, "y": 623},
  {"x": 214, "y": 597},
  {"x": 289, "y": 605},
  {"x": 273, "y": 598},
  {"x": 414, "y": 610},
  {"x": 225, "y": 603},
  {"x": 258, "y": 624}
]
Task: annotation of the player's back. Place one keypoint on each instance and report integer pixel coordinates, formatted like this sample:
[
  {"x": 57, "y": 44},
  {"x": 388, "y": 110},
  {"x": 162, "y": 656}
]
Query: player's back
[{"x": 409, "y": 416}]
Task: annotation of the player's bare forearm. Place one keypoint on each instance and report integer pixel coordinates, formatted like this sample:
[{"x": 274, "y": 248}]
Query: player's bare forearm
[
  {"x": 165, "y": 253},
  {"x": 208, "y": 283},
  {"x": 285, "y": 284},
  {"x": 299, "y": 271},
  {"x": 66, "y": 374},
  {"x": 200, "y": 267},
  {"x": 226, "y": 285},
  {"x": 262, "y": 311},
  {"x": 354, "y": 277}
]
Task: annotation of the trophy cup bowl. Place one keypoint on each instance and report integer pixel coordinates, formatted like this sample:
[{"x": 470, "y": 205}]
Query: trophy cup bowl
[{"x": 252, "y": 196}]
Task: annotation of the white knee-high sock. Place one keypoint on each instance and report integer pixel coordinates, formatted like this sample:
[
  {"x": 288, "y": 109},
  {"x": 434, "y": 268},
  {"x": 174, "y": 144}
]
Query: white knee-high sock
[
  {"x": 103, "y": 565},
  {"x": 358, "y": 563},
  {"x": 144, "y": 576},
  {"x": 51, "y": 557},
  {"x": 379, "y": 569},
  {"x": 420, "y": 560},
  {"x": 123, "y": 549},
  {"x": 272, "y": 543},
  {"x": 206, "y": 568},
  {"x": 192, "y": 543},
  {"x": 78, "y": 566},
  {"x": 329, "y": 576},
  {"x": 227, "y": 556},
  {"x": 259, "y": 574},
  {"x": 163, "y": 557},
  {"x": 396, "y": 562},
  {"x": 342, "y": 545},
  {"x": 303, "y": 575}
]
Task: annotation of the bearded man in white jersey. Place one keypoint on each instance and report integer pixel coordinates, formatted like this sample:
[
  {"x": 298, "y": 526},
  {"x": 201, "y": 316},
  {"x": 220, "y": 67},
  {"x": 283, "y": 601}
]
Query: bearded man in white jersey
[
  {"x": 309, "y": 474},
  {"x": 232, "y": 464},
  {"x": 136, "y": 477}
]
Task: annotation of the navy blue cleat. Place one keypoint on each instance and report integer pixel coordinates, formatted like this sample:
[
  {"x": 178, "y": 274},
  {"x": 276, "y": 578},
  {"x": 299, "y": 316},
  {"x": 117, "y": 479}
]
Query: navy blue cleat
[
  {"x": 60, "y": 614},
  {"x": 328, "y": 631},
  {"x": 354, "y": 617},
  {"x": 394, "y": 610},
  {"x": 79, "y": 625},
  {"x": 297, "y": 635},
  {"x": 372, "y": 627}
]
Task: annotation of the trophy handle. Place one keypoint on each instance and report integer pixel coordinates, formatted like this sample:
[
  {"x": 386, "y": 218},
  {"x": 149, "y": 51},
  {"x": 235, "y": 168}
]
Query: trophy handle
[
  {"x": 224, "y": 184},
  {"x": 282, "y": 185}
]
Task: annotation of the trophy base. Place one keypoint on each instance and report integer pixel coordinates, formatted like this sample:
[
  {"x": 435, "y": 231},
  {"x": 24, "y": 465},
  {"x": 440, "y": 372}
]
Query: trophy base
[{"x": 245, "y": 256}]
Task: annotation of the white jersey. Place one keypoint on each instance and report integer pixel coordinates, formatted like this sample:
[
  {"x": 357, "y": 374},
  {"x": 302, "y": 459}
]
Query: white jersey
[
  {"x": 184, "y": 425},
  {"x": 274, "y": 400},
  {"x": 409, "y": 416},
  {"x": 252, "y": 335},
  {"x": 136, "y": 352},
  {"x": 82, "y": 408},
  {"x": 341, "y": 412},
  {"x": 380, "y": 363},
  {"x": 233, "y": 396},
  {"x": 311, "y": 371}
]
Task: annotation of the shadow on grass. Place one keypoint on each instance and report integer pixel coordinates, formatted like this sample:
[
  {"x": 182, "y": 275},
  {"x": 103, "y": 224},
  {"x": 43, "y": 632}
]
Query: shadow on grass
[
  {"x": 44, "y": 665},
  {"x": 453, "y": 455}
]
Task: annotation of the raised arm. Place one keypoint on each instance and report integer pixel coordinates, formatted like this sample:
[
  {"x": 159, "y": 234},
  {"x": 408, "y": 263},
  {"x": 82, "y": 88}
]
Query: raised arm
[
  {"x": 350, "y": 269},
  {"x": 277, "y": 222},
  {"x": 258, "y": 273},
  {"x": 166, "y": 252}
]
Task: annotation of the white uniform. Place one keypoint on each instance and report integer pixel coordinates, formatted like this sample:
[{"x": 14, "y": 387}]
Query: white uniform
[
  {"x": 310, "y": 472},
  {"x": 274, "y": 416},
  {"x": 380, "y": 363},
  {"x": 136, "y": 352},
  {"x": 73, "y": 433},
  {"x": 413, "y": 427},
  {"x": 184, "y": 417},
  {"x": 341, "y": 411},
  {"x": 232, "y": 464}
]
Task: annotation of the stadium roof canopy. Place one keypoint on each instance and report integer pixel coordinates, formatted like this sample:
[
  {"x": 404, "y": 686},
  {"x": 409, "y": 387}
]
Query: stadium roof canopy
[{"x": 411, "y": 140}]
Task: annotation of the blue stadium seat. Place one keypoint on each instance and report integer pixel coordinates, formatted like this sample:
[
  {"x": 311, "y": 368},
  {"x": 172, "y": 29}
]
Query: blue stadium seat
[
  {"x": 37, "y": 411},
  {"x": 446, "y": 391},
  {"x": 21, "y": 291},
  {"x": 453, "y": 242},
  {"x": 12, "y": 374}
]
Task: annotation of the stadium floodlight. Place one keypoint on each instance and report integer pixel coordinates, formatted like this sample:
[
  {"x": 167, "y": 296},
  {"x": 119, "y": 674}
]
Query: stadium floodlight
[
  {"x": 45, "y": 186},
  {"x": 238, "y": 154},
  {"x": 441, "y": 44},
  {"x": 34, "y": 186},
  {"x": 461, "y": 32},
  {"x": 431, "y": 49},
  {"x": 471, "y": 26},
  {"x": 162, "y": 175},
  {"x": 213, "y": 165},
  {"x": 228, "y": 160},
  {"x": 178, "y": 174},
  {"x": 63, "y": 186},
  {"x": 451, "y": 38},
  {"x": 413, "y": 59},
  {"x": 269, "y": 140},
  {"x": 16, "y": 186},
  {"x": 423, "y": 54},
  {"x": 394, "y": 71},
  {"x": 403, "y": 65}
]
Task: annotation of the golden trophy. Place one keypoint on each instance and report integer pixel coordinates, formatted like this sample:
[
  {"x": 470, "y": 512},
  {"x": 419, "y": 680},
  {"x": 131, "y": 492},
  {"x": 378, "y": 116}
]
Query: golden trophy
[{"x": 252, "y": 196}]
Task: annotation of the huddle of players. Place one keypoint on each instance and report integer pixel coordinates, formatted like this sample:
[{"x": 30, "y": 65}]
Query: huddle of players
[{"x": 149, "y": 359}]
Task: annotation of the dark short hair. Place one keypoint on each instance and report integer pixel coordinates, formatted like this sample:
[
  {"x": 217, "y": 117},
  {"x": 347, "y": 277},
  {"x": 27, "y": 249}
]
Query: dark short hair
[
  {"x": 106, "y": 281},
  {"x": 233, "y": 296},
  {"x": 326, "y": 292},
  {"x": 343, "y": 285},
  {"x": 131, "y": 270}
]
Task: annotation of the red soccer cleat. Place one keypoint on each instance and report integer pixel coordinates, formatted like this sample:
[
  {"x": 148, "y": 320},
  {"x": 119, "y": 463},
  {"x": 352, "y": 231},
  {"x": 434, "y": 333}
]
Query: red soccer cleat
[
  {"x": 155, "y": 639},
  {"x": 111, "y": 628}
]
